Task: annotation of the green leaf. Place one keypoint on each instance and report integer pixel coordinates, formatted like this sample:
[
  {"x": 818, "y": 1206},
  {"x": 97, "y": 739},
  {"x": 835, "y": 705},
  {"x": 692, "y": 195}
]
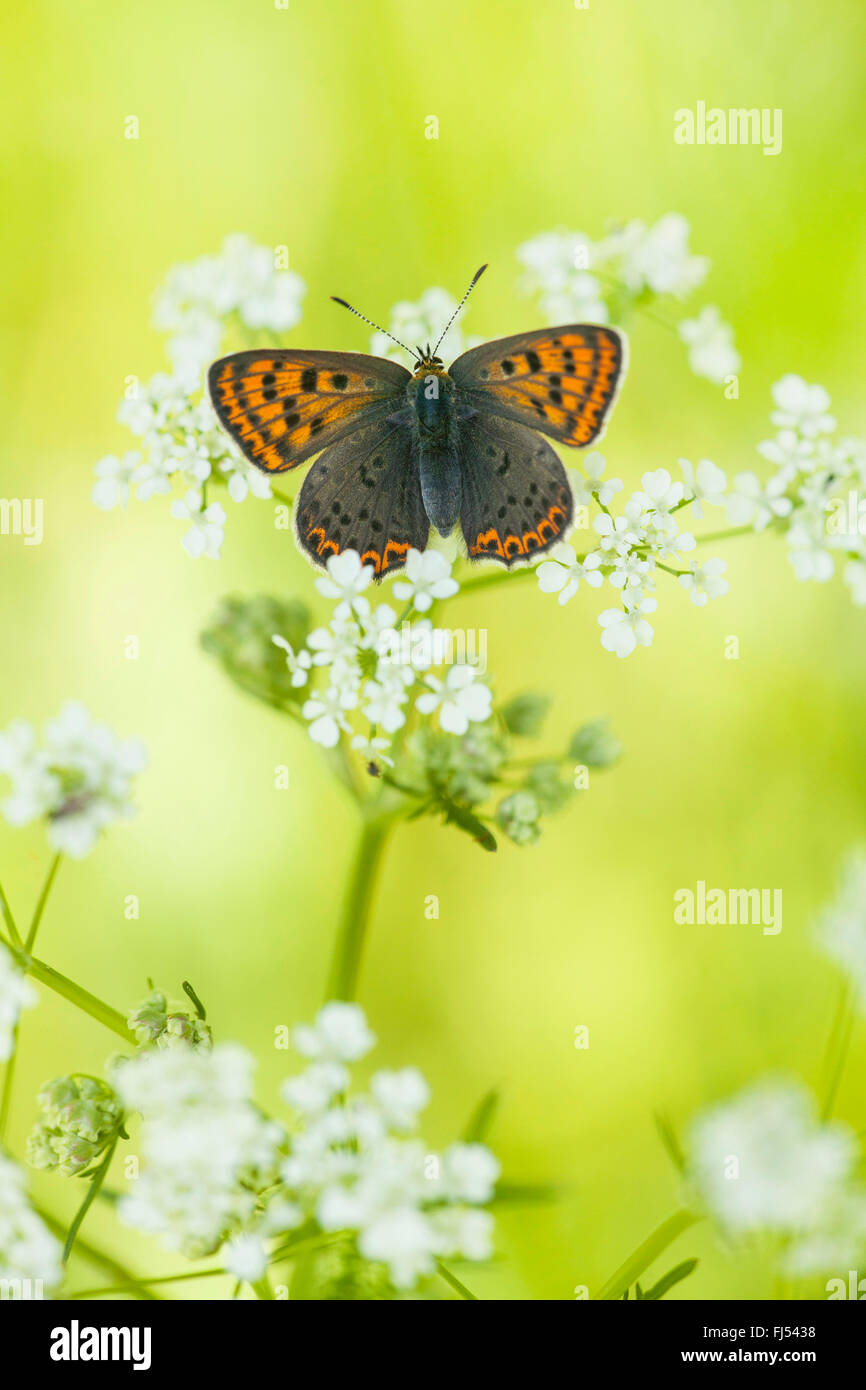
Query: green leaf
[
  {"x": 594, "y": 745},
  {"x": 667, "y": 1134},
  {"x": 667, "y": 1282},
  {"x": 239, "y": 637},
  {"x": 482, "y": 1117},
  {"x": 524, "y": 1193},
  {"x": 525, "y": 714}
]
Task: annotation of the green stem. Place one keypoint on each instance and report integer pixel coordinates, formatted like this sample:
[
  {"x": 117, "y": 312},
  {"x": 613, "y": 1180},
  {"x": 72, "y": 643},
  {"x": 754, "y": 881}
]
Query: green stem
[
  {"x": 445, "y": 1273},
  {"x": 8, "y": 1078},
  {"x": 346, "y": 964},
  {"x": 85, "y": 1251},
  {"x": 6, "y": 910},
  {"x": 130, "y": 1285},
  {"x": 95, "y": 1183},
  {"x": 724, "y": 535},
  {"x": 263, "y": 1288},
  {"x": 81, "y": 998},
  {"x": 43, "y": 898},
  {"x": 487, "y": 581},
  {"x": 649, "y": 1250}
]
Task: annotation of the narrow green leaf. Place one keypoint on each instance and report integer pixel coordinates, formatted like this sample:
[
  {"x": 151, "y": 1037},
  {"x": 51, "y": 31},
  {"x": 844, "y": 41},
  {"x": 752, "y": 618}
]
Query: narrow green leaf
[{"x": 482, "y": 1117}]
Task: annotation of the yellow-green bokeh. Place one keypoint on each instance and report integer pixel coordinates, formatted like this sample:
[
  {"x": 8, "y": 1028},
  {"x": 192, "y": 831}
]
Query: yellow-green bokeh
[{"x": 305, "y": 126}]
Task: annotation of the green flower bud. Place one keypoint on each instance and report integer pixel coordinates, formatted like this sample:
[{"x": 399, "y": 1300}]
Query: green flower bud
[
  {"x": 518, "y": 815},
  {"x": 594, "y": 745},
  {"x": 80, "y": 1118},
  {"x": 154, "y": 1026},
  {"x": 525, "y": 714}
]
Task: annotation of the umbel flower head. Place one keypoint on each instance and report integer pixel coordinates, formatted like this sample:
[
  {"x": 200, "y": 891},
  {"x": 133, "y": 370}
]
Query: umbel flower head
[
  {"x": 81, "y": 1115},
  {"x": 155, "y": 1025},
  {"x": 78, "y": 778}
]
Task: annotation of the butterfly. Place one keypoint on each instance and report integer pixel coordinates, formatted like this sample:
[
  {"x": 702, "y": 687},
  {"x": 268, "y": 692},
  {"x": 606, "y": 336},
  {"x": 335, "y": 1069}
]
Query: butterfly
[{"x": 401, "y": 451}]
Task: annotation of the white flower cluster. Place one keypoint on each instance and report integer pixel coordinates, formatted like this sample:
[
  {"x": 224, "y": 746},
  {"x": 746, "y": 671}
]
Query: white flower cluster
[
  {"x": 79, "y": 778},
  {"x": 416, "y": 325},
  {"x": 763, "y": 1162},
  {"x": 841, "y": 927},
  {"x": 206, "y": 1150},
  {"x": 179, "y": 437},
  {"x": 215, "y": 1169},
  {"x": 634, "y": 545},
  {"x": 16, "y": 994},
  {"x": 373, "y": 668},
  {"x": 595, "y": 281},
  {"x": 354, "y": 1166},
  {"x": 815, "y": 492},
  {"x": 28, "y": 1250}
]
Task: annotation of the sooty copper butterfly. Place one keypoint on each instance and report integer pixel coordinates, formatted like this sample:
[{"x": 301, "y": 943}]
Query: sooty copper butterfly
[{"x": 403, "y": 451}]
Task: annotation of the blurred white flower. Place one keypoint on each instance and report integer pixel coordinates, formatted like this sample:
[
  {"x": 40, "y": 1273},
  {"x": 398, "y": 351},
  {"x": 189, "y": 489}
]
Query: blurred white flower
[
  {"x": 658, "y": 257},
  {"x": 763, "y": 1161},
  {"x": 401, "y": 1096},
  {"x": 28, "y": 1250},
  {"x": 808, "y": 548},
  {"x": 841, "y": 927},
  {"x": 427, "y": 576},
  {"x": 711, "y": 345},
  {"x": 207, "y": 525},
  {"x": 801, "y": 407},
  {"x": 705, "y": 581},
  {"x": 339, "y": 1034},
  {"x": 16, "y": 994},
  {"x": 753, "y": 503},
  {"x": 299, "y": 664},
  {"x": 706, "y": 483},
  {"x": 461, "y": 699},
  {"x": 562, "y": 573},
  {"x": 79, "y": 778},
  {"x": 114, "y": 486},
  {"x": 246, "y": 1258},
  {"x": 587, "y": 485}
]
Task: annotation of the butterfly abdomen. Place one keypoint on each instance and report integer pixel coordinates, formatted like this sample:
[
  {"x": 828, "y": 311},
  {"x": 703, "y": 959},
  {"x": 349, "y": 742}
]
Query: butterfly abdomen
[{"x": 431, "y": 394}]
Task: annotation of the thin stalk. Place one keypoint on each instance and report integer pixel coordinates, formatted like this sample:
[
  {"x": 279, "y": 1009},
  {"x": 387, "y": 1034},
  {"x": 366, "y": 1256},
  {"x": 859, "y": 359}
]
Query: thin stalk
[
  {"x": 346, "y": 964},
  {"x": 81, "y": 998},
  {"x": 93, "y": 1187},
  {"x": 445, "y": 1273},
  {"x": 43, "y": 898},
  {"x": 648, "y": 1251},
  {"x": 126, "y": 1281},
  {"x": 8, "y": 1078},
  {"x": 6, "y": 911}
]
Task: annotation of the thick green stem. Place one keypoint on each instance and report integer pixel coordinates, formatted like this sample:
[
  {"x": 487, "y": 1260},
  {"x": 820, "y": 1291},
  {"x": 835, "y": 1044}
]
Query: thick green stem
[
  {"x": 663, "y": 1236},
  {"x": 838, "y": 1045},
  {"x": 81, "y": 998},
  {"x": 346, "y": 964}
]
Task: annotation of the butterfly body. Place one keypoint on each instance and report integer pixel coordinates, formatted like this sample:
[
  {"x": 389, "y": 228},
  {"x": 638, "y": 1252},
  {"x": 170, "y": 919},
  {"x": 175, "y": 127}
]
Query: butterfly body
[{"x": 402, "y": 451}]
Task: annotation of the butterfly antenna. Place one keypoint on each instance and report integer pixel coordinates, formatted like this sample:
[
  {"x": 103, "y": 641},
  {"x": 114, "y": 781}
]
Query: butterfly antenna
[
  {"x": 474, "y": 281},
  {"x": 377, "y": 326}
]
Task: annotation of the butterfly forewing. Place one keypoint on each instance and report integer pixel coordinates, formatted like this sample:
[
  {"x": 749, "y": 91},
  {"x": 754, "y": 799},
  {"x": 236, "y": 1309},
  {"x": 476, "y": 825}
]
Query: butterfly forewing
[
  {"x": 282, "y": 407},
  {"x": 516, "y": 499},
  {"x": 561, "y": 381},
  {"x": 364, "y": 494}
]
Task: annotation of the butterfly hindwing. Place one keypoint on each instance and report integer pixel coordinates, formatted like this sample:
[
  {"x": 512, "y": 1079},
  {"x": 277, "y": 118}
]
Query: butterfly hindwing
[
  {"x": 364, "y": 494},
  {"x": 561, "y": 381},
  {"x": 516, "y": 498},
  {"x": 282, "y": 407}
]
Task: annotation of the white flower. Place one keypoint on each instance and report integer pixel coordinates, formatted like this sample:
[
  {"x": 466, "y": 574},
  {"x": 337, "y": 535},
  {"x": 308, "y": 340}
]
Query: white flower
[
  {"x": 756, "y": 504},
  {"x": 626, "y": 628},
  {"x": 801, "y": 407},
  {"x": 469, "y": 1172},
  {"x": 115, "y": 475},
  {"x": 205, "y": 535},
  {"x": 711, "y": 345},
  {"x": 327, "y": 712},
  {"x": 16, "y": 994},
  {"x": 705, "y": 581},
  {"x": 245, "y": 1257},
  {"x": 763, "y": 1161},
  {"x": 461, "y": 699},
  {"x": 315, "y": 1088},
  {"x": 79, "y": 779},
  {"x": 661, "y": 492},
  {"x": 706, "y": 483},
  {"x": 841, "y": 927},
  {"x": 339, "y": 1034},
  {"x": 404, "y": 1240},
  {"x": 427, "y": 576},
  {"x": 244, "y": 480},
  {"x": 401, "y": 1096},
  {"x": 808, "y": 552},
  {"x": 299, "y": 664},
  {"x": 790, "y": 453},
  {"x": 557, "y": 268},
  {"x": 372, "y": 750},
  {"x": 619, "y": 534},
  {"x": 28, "y": 1250},
  {"x": 658, "y": 257},
  {"x": 206, "y": 1149},
  {"x": 585, "y": 488},
  {"x": 386, "y": 698},
  {"x": 563, "y": 572},
  {"x": 346, "y": 579}
]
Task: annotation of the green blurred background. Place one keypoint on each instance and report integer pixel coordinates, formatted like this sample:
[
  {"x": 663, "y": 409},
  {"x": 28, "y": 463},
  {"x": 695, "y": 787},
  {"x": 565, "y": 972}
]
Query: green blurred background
[{"x": 305, "y": 126}]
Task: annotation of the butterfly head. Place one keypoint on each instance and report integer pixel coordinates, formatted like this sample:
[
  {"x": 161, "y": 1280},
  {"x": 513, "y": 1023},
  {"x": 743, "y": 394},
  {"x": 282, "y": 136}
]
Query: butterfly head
[{"x": 426, "y": 360}]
